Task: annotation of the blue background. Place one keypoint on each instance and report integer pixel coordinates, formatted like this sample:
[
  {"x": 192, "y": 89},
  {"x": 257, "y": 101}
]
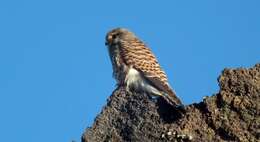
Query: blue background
[{"x": 55, "y": 73}]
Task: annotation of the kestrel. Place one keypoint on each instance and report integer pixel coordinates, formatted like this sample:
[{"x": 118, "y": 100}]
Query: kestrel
[{"x": 136, "y": 67}]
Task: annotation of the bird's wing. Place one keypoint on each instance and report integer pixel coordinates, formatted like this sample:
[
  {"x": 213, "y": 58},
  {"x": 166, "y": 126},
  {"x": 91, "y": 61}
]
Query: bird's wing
[{"x": 136, "y": 53}]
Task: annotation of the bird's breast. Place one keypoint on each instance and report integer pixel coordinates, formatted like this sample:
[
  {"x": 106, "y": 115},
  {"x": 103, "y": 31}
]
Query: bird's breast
[
  {"x": 119, "y": 68},
  {"x": 133, "y": 77},
  {"x": 135, "y": 80}
]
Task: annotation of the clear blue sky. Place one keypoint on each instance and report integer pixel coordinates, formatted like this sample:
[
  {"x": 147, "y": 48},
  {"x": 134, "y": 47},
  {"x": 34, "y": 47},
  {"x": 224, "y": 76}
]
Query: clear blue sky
[{"x": 55, "y": 73}]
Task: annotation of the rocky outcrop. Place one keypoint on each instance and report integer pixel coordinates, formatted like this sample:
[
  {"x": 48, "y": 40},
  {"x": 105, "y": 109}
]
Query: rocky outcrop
[{"x": 230, "y": 115}]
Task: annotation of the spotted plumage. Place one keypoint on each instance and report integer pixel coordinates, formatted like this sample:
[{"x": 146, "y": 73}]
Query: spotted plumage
[{"x": 136, "y": 67}]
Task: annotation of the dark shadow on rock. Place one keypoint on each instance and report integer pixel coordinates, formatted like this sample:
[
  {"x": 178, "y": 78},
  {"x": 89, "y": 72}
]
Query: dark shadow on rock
[{"x": 167, "y": 112}]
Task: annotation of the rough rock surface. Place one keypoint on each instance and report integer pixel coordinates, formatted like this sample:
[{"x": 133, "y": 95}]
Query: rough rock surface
[{"x": 233, "y": 114}]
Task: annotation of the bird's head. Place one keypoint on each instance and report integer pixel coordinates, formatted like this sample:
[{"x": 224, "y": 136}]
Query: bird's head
[{"x": 115, "y": 36}]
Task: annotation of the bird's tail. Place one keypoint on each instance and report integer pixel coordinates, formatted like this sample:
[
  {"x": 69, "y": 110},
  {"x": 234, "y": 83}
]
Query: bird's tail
[{"x": 172, "y": 98}]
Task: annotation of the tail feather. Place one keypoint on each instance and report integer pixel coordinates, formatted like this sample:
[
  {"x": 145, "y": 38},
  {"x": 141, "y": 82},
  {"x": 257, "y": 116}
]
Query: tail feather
[{"x": 171, "y": 97}]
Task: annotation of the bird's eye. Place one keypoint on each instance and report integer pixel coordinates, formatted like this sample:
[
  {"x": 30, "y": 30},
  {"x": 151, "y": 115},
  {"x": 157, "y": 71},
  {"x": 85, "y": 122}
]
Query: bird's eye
[{"x": 113, "y": 36}]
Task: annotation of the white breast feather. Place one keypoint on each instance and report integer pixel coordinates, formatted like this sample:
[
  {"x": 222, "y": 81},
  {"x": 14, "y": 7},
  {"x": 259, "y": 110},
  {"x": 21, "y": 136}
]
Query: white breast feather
[{"x": 135, "y": 79}]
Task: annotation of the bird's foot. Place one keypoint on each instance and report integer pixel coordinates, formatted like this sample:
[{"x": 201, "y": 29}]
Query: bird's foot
[{"x": 153, "y": 98}]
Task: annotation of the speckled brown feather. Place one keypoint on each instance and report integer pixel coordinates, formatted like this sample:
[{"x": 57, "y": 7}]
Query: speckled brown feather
[{"x": 136, "y": 53}]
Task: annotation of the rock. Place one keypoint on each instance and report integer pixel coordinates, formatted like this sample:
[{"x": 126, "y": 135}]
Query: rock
[{"x": 230, "y": 115}]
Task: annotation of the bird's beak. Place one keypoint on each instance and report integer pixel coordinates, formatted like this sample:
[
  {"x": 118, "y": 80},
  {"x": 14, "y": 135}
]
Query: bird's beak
[{"x": 108, "y": 40}]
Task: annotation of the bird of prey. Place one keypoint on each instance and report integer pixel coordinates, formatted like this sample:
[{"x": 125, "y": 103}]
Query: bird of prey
[{"x": 136, "y": 67}]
